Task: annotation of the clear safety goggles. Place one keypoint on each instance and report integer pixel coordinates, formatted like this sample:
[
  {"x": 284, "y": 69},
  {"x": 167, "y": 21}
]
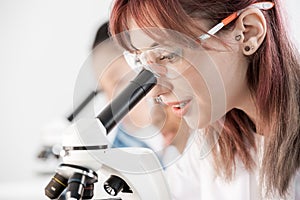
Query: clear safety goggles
[
  {"x": 163, "y": 61},
  {"x": 168, "y": 61}
]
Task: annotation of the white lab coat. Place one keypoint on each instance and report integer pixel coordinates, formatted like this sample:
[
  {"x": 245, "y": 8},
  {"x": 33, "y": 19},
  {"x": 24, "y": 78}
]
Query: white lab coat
[{"x": 193, "y": 178}]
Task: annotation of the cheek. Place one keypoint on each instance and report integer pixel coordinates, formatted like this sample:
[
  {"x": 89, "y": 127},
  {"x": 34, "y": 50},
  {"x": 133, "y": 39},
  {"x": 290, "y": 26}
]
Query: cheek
[
  {"x": 209, "y": 90},
  {"x": 199, "y": 86},
  {"x": 233, "y": 71},
  {"x": 199, "y": 114}
]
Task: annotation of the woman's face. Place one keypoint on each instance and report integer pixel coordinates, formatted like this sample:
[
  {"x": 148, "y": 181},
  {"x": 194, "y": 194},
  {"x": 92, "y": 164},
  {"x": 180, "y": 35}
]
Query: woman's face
[{"x": 211, "y": 79}]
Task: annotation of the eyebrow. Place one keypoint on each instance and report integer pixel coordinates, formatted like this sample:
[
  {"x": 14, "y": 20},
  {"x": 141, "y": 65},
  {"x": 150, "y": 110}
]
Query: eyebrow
[{"x": 154, "y": 44}]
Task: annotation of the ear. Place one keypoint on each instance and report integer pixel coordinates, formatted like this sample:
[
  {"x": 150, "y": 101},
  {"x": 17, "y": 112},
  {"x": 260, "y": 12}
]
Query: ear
[{"x": 251, "y": 25}]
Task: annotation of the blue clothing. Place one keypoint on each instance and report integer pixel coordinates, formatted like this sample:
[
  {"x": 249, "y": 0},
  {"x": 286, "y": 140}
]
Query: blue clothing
[{"x": 123, "y": 139}]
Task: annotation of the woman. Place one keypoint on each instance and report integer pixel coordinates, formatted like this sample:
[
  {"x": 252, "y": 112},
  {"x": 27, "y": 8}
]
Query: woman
[{"x": 248, "y": 60}]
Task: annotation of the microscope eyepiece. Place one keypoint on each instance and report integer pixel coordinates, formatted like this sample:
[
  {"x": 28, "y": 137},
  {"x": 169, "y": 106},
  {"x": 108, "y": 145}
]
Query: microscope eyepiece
[
  {"x": 135, "y": 91},
  {"x": 56, "y": 186}
]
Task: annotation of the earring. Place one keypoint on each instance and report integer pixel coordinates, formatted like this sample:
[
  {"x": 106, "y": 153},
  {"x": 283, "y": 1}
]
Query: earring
[
  {"x": 247, "y": 48},
  {"x": 238, "y": 37}
]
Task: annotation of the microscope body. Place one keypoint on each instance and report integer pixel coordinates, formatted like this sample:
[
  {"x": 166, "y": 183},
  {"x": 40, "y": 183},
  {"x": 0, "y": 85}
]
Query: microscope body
[
  {"x": 130, "y": 173},
  {"x": 136, "y": 172}
]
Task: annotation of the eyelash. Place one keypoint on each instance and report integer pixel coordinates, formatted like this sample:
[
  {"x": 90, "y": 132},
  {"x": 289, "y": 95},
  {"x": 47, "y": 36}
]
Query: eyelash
[{"x": 171, "y": 57}]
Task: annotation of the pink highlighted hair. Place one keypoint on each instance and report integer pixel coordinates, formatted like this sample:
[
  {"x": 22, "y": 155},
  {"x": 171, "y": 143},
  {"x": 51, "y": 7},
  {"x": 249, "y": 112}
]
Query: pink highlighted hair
[{"x": 273, "y": 77}]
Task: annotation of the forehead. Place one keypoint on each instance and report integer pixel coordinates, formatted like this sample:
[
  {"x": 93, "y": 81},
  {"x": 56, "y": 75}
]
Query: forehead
[
  {"x": 138, "y": 37},
  {"x": 152, "y": 36}
]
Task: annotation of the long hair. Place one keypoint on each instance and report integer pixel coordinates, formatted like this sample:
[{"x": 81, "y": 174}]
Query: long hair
[{"x": 273, "y": 78}]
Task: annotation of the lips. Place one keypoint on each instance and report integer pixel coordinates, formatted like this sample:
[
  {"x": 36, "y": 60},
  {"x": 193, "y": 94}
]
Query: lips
[{"x": 180, "y": 108}]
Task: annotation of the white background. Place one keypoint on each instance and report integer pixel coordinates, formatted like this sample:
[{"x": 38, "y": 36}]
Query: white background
[
  {"x": 43, "y": 44},
  {"x": 42, "y": 47}
]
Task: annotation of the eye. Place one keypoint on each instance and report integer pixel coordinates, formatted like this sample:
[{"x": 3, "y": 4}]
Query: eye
[{"x": 171, "y": 57}]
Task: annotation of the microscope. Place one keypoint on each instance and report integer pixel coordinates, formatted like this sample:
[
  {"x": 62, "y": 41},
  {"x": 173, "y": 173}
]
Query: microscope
[{"x": 123, "y": 173}]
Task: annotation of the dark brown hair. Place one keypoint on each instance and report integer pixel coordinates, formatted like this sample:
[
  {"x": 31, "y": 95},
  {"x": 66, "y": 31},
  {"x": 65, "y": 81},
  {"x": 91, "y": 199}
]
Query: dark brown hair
[
  {"x": 101, "y": 35},
  {"x": 273, "y": 78}
]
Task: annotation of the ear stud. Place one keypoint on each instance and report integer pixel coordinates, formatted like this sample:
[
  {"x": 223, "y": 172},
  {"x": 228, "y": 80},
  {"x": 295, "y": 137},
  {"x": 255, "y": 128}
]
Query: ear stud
[
  {"x": 238, "y": 37},
  {"x": 248, "y": 48}
]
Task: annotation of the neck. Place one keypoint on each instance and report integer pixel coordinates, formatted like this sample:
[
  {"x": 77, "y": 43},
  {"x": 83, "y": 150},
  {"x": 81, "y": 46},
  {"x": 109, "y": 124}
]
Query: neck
[{"x": 250, "y": 109}]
